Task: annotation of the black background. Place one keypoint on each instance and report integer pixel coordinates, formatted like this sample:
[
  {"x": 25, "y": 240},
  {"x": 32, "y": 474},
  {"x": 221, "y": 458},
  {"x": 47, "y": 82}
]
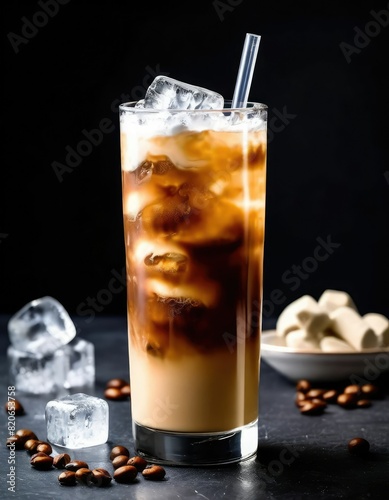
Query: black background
[{"x": 328, "y": 169}]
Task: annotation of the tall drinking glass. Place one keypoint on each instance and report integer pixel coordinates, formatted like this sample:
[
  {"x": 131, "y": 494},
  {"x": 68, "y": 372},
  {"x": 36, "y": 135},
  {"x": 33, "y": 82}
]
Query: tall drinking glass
[{"x": 193, "y": 187}]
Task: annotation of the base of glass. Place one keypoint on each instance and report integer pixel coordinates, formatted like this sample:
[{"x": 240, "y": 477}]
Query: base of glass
[{"x": 196, "y": 449}]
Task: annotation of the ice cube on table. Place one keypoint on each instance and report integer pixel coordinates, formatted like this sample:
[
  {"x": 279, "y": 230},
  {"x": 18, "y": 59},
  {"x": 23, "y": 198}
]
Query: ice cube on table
[
  {"x": 34, "y": 373},
  {"x": 78, "y": 361},
  {"x": 69, "y": 367},
  {"x": 77, "y": 421},
  {"x": 167, "y": 93},
  {"x": 41, "y": 326}
]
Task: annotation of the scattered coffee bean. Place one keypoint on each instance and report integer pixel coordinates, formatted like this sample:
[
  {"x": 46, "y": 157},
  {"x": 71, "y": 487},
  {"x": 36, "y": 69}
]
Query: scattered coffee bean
[
  {"x": 330, "y": 396},
  {"x": 315, "y": 393},
  {"x": 364, "y": 403},
  {"x": 30, "y": 445},
  {"x": 119, "y": 450},
  {"x": 154, "y": 472},
  {"x": 312, "y": 408},
  {"x": 358, "y": 446},
  {"x": 45, "y": 447},
  {"x": 352, "y": 389},
  {"x": 138, "y": 462},
  {"x": 126, "y": 390},
  {"x": 101, "y": 477},
  {"x": 84, "y": 475},
  {"x": 67, "y": 478},
  {"x": 303, "y": 386},
  {"x": 116, "y": 383},
  {"x": 370, "y": 391},
  {"x": 125, "y": 474},
  {"x": 26, "y": 434},
  {"x": 38, "y": 454},
  {"x": 300, "y": 397},
  {"x": 352, "y": 396},
  {"x": 119, "y": 461},
  {"x": 74, "y": 465},
  {"x": 114, "y": 394},
  {"x": 61, "y": 460},
  {"x": 347, "y": 401},
  {"x": 16, "y": 441},
  {"x": 41, "y": 461},
  {"x": 318, "y": 402},
  {"x": 14, "y": 406}
]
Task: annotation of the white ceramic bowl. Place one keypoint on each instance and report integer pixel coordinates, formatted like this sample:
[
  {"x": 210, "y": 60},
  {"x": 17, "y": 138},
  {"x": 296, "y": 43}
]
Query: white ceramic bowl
[{"x": 317, "y": 366}]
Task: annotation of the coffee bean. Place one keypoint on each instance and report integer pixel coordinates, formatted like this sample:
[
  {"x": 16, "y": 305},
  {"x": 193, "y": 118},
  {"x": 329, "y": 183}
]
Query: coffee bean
[
  {"x": 330, "y": 396},
  {"x": 67, "y": 478},
  {"x": 101, "y": 477},
  {"x": 16, "y": 441},
  {"x": 125, "y": 474},
  {"x": 74, "y": 465},
  {"x": 370, "y": 391},
  {"x": 154, "y": 472},
  {"x": 138, "y": 462},
  {"x": 312, "y": 409},
  {"x": 26, "y": 434},
  {"x": 119, "y": 461},
  {"x": 358, "y": 446},
  {"x": 347, "y": 401},
  {"x": 30, "y": 445},
  {"x": 126, "y": 390},
  {"x": 300, "y": 397},
  {"x": 352, "y": 389},
  {"x": 38, "y": 454},
  {"x": 114, "y": 394},
  {"x": 119, "y": 450},
  {"x": 303, "y": 385},
  {"x": 45, "y": 447},
  {"x": 41, "y": 461},
  {"x": 84, "y": 475},
  {"x": 364, "y": 403},
  {"x": 116, "y": 383},
  {"x": 61, "y": 460},
  {"x": 318, "y": 402},
  {"x": 315, "y": 393},
  {"x": 14, "y": 407}
]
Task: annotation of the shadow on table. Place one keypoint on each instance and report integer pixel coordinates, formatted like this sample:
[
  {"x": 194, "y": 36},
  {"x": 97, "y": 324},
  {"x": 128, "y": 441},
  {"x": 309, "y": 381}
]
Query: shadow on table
[{"x": 330, "y": 472}]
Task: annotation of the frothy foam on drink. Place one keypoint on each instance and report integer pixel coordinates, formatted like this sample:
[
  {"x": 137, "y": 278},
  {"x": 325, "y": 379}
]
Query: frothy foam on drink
[{"x": 140, "y": 133}]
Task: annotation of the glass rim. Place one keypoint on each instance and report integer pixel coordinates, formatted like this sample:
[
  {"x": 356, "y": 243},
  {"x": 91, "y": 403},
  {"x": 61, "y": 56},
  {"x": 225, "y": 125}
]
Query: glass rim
[{"x": 250, "y": 107}]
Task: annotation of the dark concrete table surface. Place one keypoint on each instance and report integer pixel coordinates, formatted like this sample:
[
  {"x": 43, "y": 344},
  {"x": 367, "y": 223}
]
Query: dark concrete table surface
[{"x": 299, "y": 457}]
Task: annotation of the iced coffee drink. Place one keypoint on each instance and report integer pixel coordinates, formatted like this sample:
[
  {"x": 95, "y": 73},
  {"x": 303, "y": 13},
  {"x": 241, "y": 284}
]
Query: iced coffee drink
[{"x": 194, "y": 209}]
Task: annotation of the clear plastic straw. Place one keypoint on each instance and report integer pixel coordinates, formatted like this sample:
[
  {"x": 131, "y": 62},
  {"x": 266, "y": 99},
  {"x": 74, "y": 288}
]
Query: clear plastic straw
[{"x": 246, "y": 70}]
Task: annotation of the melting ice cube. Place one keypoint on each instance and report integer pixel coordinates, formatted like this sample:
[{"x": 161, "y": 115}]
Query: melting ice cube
[
  {"x": 72, "y": 365},
  {"x": 41, "y": 327},
  {"x": 168, "y": 93},
  {"x": 77, "y": 421}
]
